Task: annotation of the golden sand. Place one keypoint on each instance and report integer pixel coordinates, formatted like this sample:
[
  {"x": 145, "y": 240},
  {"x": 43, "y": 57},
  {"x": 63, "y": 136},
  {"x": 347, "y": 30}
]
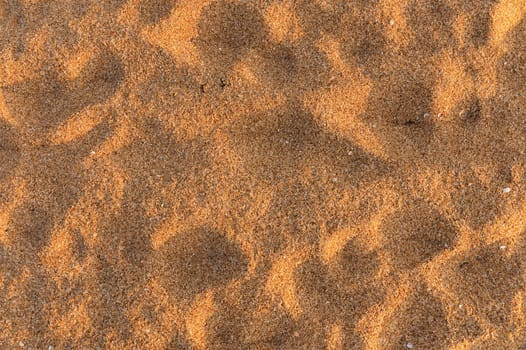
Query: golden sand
[{"x": 266, "y": 174}]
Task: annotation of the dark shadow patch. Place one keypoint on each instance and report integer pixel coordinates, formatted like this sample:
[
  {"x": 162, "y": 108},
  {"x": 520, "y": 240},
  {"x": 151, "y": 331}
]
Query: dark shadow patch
[
  {"x": 55, "y": 180},
  {"x": 416, "y": 235},
  {"x": 276, "y": 143},
  {"x": 358, "y": 267},
  {"x": 154, "y": 11},
  {"x": 478, "y": 14},
  {"x": 198, "y": 260},
  {"x": 488, "y": 279},
  {"x": 99, "y": 80},
  {"x": 432, "y": 23},
  {"x": 280, "y": 64},
  {"x": 420, "y": 322},
  {"x": 320, "y": 291},
  {"x": 475, "y": 202},
  {"x": 227, "y": 30},
  {"x": 9, "y": 149},
  {"x": 178, "y": 342},
  {"x": 107, "y": 310},
  {"x": 511, "y": 68},
  {"x": 401, "y": 102},
  {"x": 363, "y": 41},
  {"x": 32, "y": 225},
  {"x": 45, "y": 103},
  {"x": 479, "y": 28},
  {"x": 463, "y": 326}
]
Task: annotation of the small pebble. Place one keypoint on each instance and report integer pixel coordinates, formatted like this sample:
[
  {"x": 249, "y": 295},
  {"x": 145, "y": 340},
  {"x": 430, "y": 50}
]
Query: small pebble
[
  {"x": 426, "y": 115},
  {"x": 21, "y": 344},
  {"x": 391, "y": 22},
  {"x": 506, "y": 190},
  {"x": 409, "y": 345},
  {"x": 502, "y": 247}
]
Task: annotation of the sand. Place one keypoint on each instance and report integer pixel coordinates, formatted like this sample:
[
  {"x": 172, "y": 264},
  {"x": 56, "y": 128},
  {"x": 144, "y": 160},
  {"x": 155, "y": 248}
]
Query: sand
[{"x": 262, "y": 174}]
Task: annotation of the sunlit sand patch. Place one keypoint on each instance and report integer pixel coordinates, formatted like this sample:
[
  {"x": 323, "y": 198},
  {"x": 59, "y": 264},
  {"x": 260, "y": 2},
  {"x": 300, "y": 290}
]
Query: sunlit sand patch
[
  {"x": 245, "y": 71},
  {"x": 171, "y": 316},
  {"x": 334, "y": 244},
  {"x": 510, "y": 226},
  {"x": 74, "y": 64},
  {"x": 505, "y": 16},
  {"x": 17, "y": 196},
  {"x": 75, "y": 324},
  {"x": 460, "y": 27},
  {"x": 59, "y": 246},
  {"x": 120, "y": 138},
  {"x": 175, "y": 34},
  {"x": 281, "y": 281},
  {"x": 78, "y": 125},
  {"x": 339, "y": 106},
  {"x": 26, "y": 67},
  {"x": 437, "y": 186},
  {"x": 5, "y": 114},
  {"x": 454, "y": 86},
  {"x": 167, "y": 231},
  {"x": 334, "y": 341},
  {"x": 200, "y": 311},
  {"x": 282, "y": 21},
  {"x": 397, "y": 30},
  {"x": 376, "y": 321}
]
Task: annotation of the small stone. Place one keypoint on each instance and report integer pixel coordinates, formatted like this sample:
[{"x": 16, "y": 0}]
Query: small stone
[
  {"x": 426, "y": 115},
  {"x": 391, "y": 22},
  {"x": 502, "y": 247},
  {"x": 409, "y": 345},
  {"x": 92, "y": 152},
  {"x": 21, "y": 344},
  {"x": 506, "y": 190},
  {"x": 50, "y": 348},
  {"x": 334, "y": 179}
]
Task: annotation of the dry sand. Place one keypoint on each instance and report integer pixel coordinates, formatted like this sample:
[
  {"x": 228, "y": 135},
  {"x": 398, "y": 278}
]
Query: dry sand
[{"x": 266, "y": 174}]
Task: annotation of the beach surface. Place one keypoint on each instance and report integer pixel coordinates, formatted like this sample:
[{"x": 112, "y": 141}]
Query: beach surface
[{"x": 263, "y": 174}]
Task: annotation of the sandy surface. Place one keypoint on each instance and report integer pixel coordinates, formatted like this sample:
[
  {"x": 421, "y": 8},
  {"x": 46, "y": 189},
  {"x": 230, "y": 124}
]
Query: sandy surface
[{"x": 310, "y": 174}]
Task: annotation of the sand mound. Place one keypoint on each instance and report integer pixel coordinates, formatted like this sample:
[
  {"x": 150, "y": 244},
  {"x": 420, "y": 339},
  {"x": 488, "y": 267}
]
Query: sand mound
[{"x": 267, "y": 174}]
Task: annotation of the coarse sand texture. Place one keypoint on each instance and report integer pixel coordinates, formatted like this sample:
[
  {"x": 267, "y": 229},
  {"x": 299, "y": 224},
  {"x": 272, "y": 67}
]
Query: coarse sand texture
[{"x": 263, "y": 174}]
